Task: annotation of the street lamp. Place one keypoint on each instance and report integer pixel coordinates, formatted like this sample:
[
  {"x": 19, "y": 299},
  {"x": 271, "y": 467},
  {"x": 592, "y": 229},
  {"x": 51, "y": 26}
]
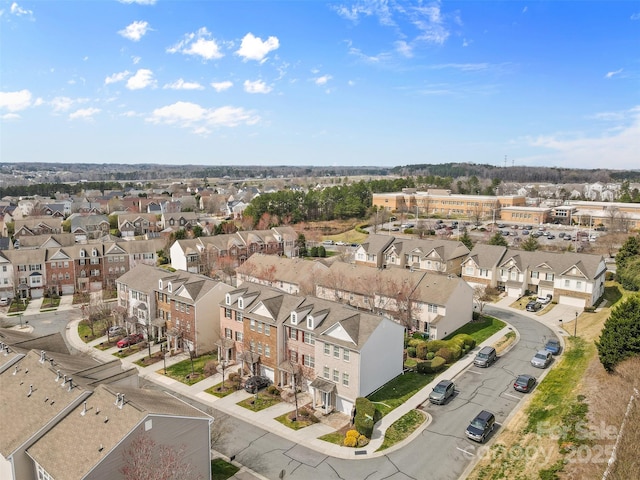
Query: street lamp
[
  {"x": 163, "y": 350},
  {"x": 575, "y": 326}
]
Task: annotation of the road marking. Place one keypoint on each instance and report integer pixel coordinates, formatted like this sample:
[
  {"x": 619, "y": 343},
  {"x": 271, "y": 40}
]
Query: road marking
[
  {"x": 512, "y": 396},
  {"x": 477, "y": 373},
  {"x": 463, "y": 450}
]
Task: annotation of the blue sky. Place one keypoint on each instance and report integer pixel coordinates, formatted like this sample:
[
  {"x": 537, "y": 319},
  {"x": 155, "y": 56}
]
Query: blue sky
[{"x": 304, "y": 82}]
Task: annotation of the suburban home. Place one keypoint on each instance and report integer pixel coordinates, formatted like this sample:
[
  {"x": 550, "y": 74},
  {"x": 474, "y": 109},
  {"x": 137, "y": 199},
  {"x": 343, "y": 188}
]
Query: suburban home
[
  {"x": 188, "y": 304},
  {"x": 371, "y": 252},
  {"x": 290, "y": 275},
  {"x": 86, "y": 227},
  {"x": 131, "y": 225},
  {"x": 37, "y": 226},
  {"x": 60, "y": 272},
  {"x": 179, "y": 220},
  {"x": 432, "y": 303},
  {"x": 72, "y": 418},
  {"x": 7, "y": 277},
  {"x": 334, "y": 351},
  {"x": 575, "y": 279},
  {"x": 434, "y": 255},
  {"x": 28, "y": 272}
]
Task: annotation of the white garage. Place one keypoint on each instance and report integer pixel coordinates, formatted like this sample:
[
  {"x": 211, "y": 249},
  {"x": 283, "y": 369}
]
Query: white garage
[
  {"x": 573, "y": 301},
  {"x": 343, "y": 405},
  {"x": 268, "y": 372}
]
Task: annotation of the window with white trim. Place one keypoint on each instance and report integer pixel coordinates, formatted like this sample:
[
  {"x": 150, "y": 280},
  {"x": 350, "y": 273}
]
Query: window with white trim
[
  {"x": 325, "y": 372},
  {"x": 336, "y": 376},
  {"x": 336, "y": 351},
  {"x": 345, "y": 379},
  {"x": 346, "y": 354},
  {"x": 327, "y": 349},
  {"x": 309, "y": 338},
  {"x": 309, "y": 361}
]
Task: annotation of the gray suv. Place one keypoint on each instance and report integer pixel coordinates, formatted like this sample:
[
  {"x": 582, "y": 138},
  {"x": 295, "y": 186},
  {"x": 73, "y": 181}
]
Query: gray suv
[
  {"x": 485, "y": 357},
  {"x": 441, "y": 392}
]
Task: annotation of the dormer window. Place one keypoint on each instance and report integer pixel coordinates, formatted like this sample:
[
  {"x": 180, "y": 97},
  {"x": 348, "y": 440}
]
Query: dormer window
[
  {"x": 83, "y": 253},
  {"x": 160, "y": 284},
  {"x": 169, "y": 287},
  {"x": 310, "y": 322},
  {"x": 227, "y": 299},
  {"x": 94, "y": 253},
  {"x": 241, "y": 302},
  {"x": 294, "y": 318}
]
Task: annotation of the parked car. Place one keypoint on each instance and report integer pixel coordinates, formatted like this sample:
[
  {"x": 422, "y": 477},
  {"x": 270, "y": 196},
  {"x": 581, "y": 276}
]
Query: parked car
[
  {"x": 524, "y": 383},
  {"x": 561, "y": 235},
  {"x": 116, "y": 330},
  {"x": 130, "y": 340},
  {"x": 485, "y": 357},
  {"x": 533, "y": 306},
  {"x": 550, "y": 236},
  {"x": 541, "y": 359},
  {"x": 255, "y": 383},
  {"x": 544, "y": 300},
  {"x": 525, "y": 232},
  {"x": 442, "y": 392},
  {"x": 553, "y": 345},
  {"x": 4, "y": 301},
  {"x": 481, "y": 426}
]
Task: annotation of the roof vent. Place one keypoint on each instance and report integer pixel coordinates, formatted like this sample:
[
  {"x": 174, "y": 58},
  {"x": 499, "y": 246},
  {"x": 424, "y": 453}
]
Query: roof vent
[
  {"x": 43, "y": 356},
  {"x": 106, "y": 419},
  {"x": 57, "y": 375},
  {"x": 51, "y": 361},
  {"x": 6, "y": 350},
  {"x": 117, "y": 399},
  {"x": 70, "y": 384},
  {"x": 64, "y": 381},
  {"x": 84, "y": 409},
  {"x": 30, "y": 390},
  {"x": 100, "y": 448},
  {"x": 15, "y": 371}
]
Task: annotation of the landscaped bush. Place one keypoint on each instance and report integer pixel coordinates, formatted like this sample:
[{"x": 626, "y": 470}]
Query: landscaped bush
[
  {"x": 352, "y": 433},
  {"x": 411, "y": 351},
  {"x": 475, "y": 316},
  {"x": 350, "y": 441},
  {"x": 273, "y": 390},
  {"x": 435, "y": 345},
  {"x": 210, "y": 368},
  {"x": 430, "y": 355},
  {"x": 421, "y": 351},
  {"x": 445, "y": 353},
  {"x": 431, "y": 366},
  {"x": 234, "y": 376},
  {"x": 362, "y": 441},
  {"x": 414, "y": 342},
  {"x": 365, "y": 413},
  {"x": 468, "y": 340}
]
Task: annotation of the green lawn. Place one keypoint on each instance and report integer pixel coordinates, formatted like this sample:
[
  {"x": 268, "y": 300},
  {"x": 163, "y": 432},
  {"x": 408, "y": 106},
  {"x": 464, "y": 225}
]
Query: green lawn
[
  {"x": 84, "y": 330},
  {"x": 399, "y": 390},
  {"x": 480, "y": 330},
  {"x": 229, "y": 388},
  {"x": 183, "y": 372},
  {"x": 221, "y": 469},
  {"x": 264, "y": 400},
  {"x": 50, "y": 303},
  {"x": 402, "y": 428},
  {"x": 301, "y": 422},
  {"x": 336, "y": 438}
]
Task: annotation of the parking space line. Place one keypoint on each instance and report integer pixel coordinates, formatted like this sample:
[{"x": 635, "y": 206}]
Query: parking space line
[
  {"x": 477, "y": 373},
  {"x": 512, "y": 396}
]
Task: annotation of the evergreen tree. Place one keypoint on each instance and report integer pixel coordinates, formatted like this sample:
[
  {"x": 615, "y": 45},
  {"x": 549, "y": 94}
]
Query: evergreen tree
[
  {"x": 530, "y": 244},
  {"x": 498, "y": 239},
  {"x": 466, "y": 239},
  {"x": 620, "y": 336}
]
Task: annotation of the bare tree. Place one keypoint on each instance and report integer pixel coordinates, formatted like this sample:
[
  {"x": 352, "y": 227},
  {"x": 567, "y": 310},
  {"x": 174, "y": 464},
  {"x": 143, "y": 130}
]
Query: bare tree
[
  {"x": 480, "y": 296},
  {"x": 145, "y": 459}
]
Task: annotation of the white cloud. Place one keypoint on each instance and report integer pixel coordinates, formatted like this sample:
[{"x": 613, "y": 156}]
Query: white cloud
[
  {"x": 351, "y": 83},
  {"x": 404, "y": 49},
  {"x": 222, "y": 86},
  {"x": 135, "y": 31},
  {"x": 612, "y": 74},
  {"x": 367, "y": 9},
  {"x": 62, "y": 104},
  {"x": 10, "y": 116},
  {"x": 619, "y": 143},
  {"x": 322, "y": 80},
  {"x": 129, "y": 114},
  {"x": 136, "y": 60},
  {"x": 18, "y": 11},
  {"x": 198, "y": 118},
  {"x": 141, "y": 79},
  {"x": 635, "y": 16},
  {"x": 139, "y": 2},
  {"x": 253, "y": 48},
  {"x": 256, "y": 87},
  {"x": 116, "y": 77},
  {"x": 199, "y": 43},
  {"x": 84, "y": 113},
  {"x": 463, "y": 67},
  {"x": 180, "y": 84},
  {"x": 15, "y": 101}
]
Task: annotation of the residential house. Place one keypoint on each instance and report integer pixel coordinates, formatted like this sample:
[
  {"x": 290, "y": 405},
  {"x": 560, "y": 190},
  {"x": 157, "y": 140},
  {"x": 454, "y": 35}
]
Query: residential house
[
  {"x": 86, "y": 227},
  {"x": 433, "y": 303},
  {"x": 28, "y": 272},
  {"x": 64, "y": 420},
  {"x": 131, "y": 225},
  {"x": 37, "y": 226},
  {"x": 371, "y": 252},
  {"x": 188, "y": 304},
  {"x": 575, "y": 279},
  {"x": 335, "y": 352},
  {"x": 88, "y": 261},
  {"x": 60, "y": 270},
  {"x": 179, "y": 220},
  {"x": 7, "y": 277},
  {"x": 434, "y": 255}
]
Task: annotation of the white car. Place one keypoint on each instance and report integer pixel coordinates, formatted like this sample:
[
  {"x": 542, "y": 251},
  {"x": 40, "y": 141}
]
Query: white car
[
  {"x": 4, "y": 301},
  {"x": 544, "y": 300}
]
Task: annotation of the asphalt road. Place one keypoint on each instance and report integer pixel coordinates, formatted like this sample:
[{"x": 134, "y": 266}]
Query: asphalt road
[{"x": 441, "y": 451}]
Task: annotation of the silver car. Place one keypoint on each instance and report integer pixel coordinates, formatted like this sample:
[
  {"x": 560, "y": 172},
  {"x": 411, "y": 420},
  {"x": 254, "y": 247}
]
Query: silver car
[{"x": 541, "y": 359}]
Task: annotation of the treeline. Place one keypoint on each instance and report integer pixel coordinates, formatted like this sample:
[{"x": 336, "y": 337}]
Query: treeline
[
  {"x": 518, "y": 173},
  {"x": 338, "y": 202},
  {"x": 50, "y": 189}
]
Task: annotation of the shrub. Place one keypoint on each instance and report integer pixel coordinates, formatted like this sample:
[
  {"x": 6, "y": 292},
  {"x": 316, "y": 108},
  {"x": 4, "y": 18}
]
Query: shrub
[
  {"x": 417, "y": 335},
  {"x": 421, "y": 351},
  {"x": 414, "y": 342},
  {"x": 430, "y": 355},
  {"x": 210, "y": 368},
  {"x": 435, "y": 345},
  {"x": 445, "y": 353},
  {"x": 273, "y": 390},
  {"x": 362, "y": 441},
  {"x": 467, "y": 340},
  {"x": 352, "y": 433},
  {"x": 411, "y": 351},
  {"x": 475, "y": 316},
  {"x": 365, "y": 412},
  {"x": 234, "y": 377},
  {"x": 431, "y": 366},
  {"x": 350, "y": 441}
]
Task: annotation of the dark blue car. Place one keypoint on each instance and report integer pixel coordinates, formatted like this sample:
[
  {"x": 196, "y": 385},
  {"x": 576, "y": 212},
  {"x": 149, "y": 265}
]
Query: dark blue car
[{"x": 553, "y": 346}]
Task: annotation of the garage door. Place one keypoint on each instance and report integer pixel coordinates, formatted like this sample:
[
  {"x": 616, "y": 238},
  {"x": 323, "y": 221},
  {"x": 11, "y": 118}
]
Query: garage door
[
  {"x": 268, "y": 372},
  {"x": 343, "y": 405},
  {"x": 573, "y": 301},
  {"x": 67, "y": 289},
  {"x": 514, "y": 292}
]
